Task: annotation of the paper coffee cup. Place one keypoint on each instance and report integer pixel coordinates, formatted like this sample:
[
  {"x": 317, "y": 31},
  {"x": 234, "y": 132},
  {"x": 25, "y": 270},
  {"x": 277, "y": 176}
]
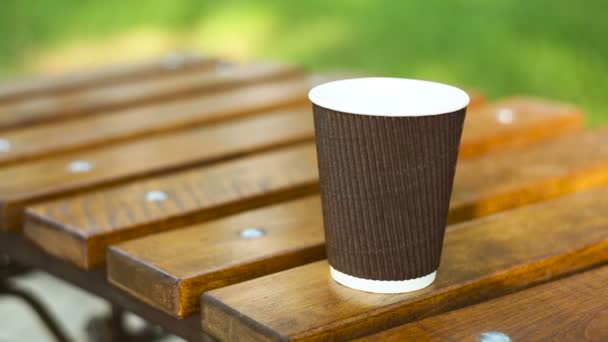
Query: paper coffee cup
[{"x": 387, "y": 151}]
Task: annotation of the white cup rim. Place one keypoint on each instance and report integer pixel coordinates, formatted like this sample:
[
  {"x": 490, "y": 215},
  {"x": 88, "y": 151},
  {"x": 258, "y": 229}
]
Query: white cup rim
[{"x": 389, "y": 96}]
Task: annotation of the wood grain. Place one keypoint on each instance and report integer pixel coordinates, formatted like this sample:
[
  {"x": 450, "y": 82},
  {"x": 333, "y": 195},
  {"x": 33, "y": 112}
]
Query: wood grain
[
  {"x": 517, "y": 121},
  {"x": 486, "y": 185},
  {"x": 114, "y": 127},
  {"x": 550, "y": 121},
  {"x": 573, "y": 309},
  {"x": 482, "y": 259},
  {"x": 103, "y": 99},
  {"x": 99, "y": 219},
  {"x": 483, "y": 186},
  {"x": 48, "y": 178},
  {"x": 117, "y": 126},
  {"x": 213, "y": 254},
  {"x": 177, "y": 63}
]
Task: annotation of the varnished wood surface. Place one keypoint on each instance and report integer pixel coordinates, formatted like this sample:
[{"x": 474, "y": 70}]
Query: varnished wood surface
[
  {"x": 536, "y": 120},
  {"x": 184, "y": 263},
  {"x": 482, "y": 186},
  {"x": 99, "y": 219},
  {"x": 113, "y": 97},
  {"x": 486, "y": 185},
  {"x": 102, "y": 130},
  {"x": 28, "y": 182},
  {"x": 487, "y": 258},
  {"x": 572, "y": 309},
  {"x": 11, "y": 90},
  {"x": 517, "y": 121},
  {"x": 482, "y": 259},
  {"x": 49, "y": 177},
  {"x": 112, "y": 127}
]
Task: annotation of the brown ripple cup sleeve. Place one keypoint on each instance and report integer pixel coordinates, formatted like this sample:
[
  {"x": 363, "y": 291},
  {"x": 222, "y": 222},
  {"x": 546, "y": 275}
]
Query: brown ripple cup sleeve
[{"x": 387, "y": 151}]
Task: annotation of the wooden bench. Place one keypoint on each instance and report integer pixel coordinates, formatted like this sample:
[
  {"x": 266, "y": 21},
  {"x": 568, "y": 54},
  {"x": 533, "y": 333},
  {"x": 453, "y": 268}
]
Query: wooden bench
[
  {"x": 186, "y": 191},
  {"x": 577, "y": 311}
]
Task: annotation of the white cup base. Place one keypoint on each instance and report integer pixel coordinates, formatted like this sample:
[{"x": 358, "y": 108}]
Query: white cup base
[{"x": 382, "y": 286}]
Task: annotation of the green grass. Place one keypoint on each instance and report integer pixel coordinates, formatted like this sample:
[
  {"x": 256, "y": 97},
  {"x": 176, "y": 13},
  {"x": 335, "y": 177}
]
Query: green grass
[{"x": 556, "y": 49}]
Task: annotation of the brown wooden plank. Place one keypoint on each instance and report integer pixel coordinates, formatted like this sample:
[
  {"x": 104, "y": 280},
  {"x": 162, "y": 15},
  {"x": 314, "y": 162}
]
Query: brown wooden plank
[
  {"x": 573, "y": 309},
  {"x": 99, "y": 100},
  {"x": 476, "y": 98},
  {"x": 12, "y": 90},
  {"x": 491, "y": 179},
  {"x": 536, "y": 120},
  {"x": 25, "y": 143},
  {"x": 482, "y": 259},
  {"x": 29, "y": 182},
  {"x": 102, "y": 218},
  {"x": 483, "y": 185},
  {"x": 101, "y": 130},
  {"x": 184, "y": 263},
  {"x": 510, "y": 117},
  {"x": 512, "y": 178},
  {"x": 49, "y": 177}
]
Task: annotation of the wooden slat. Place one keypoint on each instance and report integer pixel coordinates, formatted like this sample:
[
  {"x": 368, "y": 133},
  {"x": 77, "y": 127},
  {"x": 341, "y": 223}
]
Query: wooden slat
[
  {"x": 482, "y": 186},
  {"x": 536, "y": 120},
  {"x": 114, "y": 97},
  {"x": 481, "y": 259},
  {"x": 476, "y": 98},
  {"x": 29, "y": 182},
  {"x": 213, "y": 254},
  {"x": 42, "y": 141},
  {"x": 102, "y": 218},
  {"x": 510, "y": 118},
  {"x": 36, "y": 180},
  {"x": 573, "y": 309},
  {"x": 75, "y": 81},
  {"x": 25, "y": 143},
  {"x": 516, "y": 177}
]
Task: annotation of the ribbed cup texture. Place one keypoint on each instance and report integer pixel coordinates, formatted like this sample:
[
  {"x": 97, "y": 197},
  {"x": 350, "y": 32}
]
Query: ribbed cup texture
[{"x": 386, "y": 184}]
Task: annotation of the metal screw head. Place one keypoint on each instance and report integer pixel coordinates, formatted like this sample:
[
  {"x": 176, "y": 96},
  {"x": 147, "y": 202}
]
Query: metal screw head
[
  {"x": 494, "y": 336},
  {"x": 5, "y": 145},
  {"x": 505, "y": 116},
  {"x": 223, "y": 67},
  {"x": 252, "y": 233},
  {"x": 174, "y": 61},
  {"x": 156, "y": 196},
  {"x": 78, "y": 166}
]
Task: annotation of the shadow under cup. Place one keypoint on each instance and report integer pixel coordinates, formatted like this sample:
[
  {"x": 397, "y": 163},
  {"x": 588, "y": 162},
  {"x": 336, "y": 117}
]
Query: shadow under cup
[{"x": 387, "y": 151}]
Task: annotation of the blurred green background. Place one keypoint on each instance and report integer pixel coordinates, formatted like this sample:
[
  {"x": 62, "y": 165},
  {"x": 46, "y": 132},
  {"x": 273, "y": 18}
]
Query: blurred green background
[{"x": 556, "y": 49}]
